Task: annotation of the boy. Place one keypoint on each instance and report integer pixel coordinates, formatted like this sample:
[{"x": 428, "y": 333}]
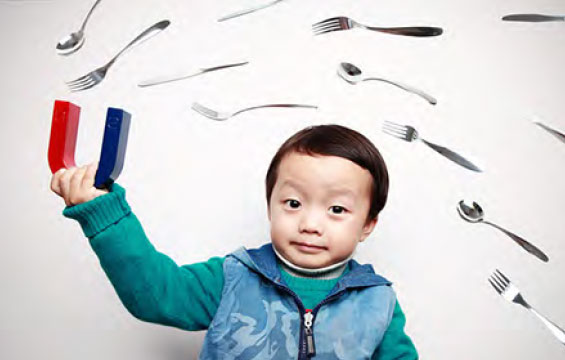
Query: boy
[{"x": 301, "y": 295}]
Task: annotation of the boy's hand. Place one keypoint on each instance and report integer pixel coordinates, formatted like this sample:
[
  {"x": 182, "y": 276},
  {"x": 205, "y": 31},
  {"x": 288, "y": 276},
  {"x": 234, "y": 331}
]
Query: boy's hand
[{"x": 76, "y": 185}]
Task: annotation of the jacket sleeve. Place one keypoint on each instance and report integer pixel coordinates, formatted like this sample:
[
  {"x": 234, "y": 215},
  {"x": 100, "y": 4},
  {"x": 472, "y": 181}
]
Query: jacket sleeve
[
  {"x": 396, "y": 345},
  {"x": 150, "y": 284}
]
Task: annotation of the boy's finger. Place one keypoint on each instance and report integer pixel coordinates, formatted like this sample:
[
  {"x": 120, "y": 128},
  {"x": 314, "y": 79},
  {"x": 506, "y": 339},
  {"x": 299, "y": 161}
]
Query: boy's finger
[
  {"x": 65, "y": 184},
  {"x": 76, "y": 182},
  {"x": 88, "y": 179},
  {"x": 55, "y": 179}
]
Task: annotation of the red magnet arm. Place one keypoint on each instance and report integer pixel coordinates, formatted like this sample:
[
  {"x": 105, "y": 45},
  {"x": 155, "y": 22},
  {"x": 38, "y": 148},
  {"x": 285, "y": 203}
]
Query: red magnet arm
[{"x": 64, "y": 129}]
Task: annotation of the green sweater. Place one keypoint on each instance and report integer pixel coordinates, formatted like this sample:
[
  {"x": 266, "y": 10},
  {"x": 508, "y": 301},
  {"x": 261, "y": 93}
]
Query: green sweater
[{"x": 154, "y": 288}]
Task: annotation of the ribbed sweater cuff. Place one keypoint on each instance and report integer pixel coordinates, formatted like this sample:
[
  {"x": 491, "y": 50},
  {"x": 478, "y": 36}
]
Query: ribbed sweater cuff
[{"x": 96, "y": 215}]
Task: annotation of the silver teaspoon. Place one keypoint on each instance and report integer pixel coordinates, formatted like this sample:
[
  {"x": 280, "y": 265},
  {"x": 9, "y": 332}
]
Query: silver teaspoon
[
  {"x": 353, "y": 75},
  {"x": 72, "y": 42},
  {"x": 475, "y": 214}
]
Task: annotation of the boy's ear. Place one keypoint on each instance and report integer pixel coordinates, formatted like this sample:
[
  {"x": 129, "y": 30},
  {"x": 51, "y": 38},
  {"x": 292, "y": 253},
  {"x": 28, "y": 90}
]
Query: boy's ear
[{"x": 368, "y": 228}]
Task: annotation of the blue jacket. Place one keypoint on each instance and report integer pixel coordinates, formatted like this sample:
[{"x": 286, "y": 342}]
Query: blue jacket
[{"x": 259, "y": 317}]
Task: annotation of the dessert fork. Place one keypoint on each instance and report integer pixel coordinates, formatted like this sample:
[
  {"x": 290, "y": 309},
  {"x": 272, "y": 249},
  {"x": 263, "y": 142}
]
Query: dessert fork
[
  {"x": 344, "y": 23},
  {"x": 510, "y": 292},
  {"x": 220, "y": 116},
  {"x": 408, "y": 133},
  {"x": 96, "y": 76}
]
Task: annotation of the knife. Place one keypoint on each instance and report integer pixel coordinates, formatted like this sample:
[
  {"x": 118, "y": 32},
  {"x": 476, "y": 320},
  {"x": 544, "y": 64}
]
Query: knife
[
  {"x": 169, "y": 78},
  {"x": 553, "y": 132},
  {"x": 533, "y": 17},
  {"x": 453, "y": 156}
]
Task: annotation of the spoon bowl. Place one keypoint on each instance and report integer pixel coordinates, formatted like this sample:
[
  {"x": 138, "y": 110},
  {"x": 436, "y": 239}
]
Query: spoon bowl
[
  {"x": 70, "y": 43},
  {"x": 74, "y": 41},
  {"x": 350, "y": 73},
  {"x": 472, "y": 214}
]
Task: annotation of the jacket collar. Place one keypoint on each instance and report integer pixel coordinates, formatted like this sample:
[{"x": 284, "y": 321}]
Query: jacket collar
[{"x": 263, "y": 260}]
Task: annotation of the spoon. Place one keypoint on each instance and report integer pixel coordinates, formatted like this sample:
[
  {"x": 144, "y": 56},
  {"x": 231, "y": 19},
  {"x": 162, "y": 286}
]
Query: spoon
[
  {"x": 475, "y": 214},
  {"x": 353, "y": 75},
  {"x": 72, "y": 42}
]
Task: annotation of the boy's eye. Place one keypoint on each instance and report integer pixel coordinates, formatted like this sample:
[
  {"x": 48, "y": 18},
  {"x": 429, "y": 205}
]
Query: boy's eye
[
  {"x": 293, "y": 204},
  {"x": 336, "y": 209}
]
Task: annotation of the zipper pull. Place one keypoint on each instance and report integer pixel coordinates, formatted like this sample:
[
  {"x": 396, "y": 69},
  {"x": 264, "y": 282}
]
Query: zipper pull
[{"x": 309, "y": 333}]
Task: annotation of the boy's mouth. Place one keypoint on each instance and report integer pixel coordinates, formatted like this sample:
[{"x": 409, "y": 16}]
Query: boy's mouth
[{"x": 308, "y": 247}]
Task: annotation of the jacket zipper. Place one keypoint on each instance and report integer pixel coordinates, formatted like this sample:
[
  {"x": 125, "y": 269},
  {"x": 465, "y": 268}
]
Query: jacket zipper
[
  {"x": 309, "y": 333},
  {"x": 307, "y": 344}
]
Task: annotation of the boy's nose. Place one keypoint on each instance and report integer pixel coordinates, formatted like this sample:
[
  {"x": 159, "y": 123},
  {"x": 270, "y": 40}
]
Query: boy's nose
[{"x": 310, "y": 223}]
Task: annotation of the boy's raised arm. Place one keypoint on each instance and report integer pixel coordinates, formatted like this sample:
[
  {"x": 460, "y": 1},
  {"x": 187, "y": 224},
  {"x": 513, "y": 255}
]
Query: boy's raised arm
[{"x": 150, "y": 284}]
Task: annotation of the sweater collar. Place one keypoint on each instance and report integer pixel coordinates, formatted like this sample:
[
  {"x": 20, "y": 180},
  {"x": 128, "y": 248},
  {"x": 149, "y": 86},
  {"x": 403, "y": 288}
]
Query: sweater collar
[{"x": 264, "y": 261}]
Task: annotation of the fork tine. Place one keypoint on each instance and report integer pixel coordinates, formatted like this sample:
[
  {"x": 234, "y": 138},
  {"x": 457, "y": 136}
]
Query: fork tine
[
  {"x": 83, "y": 87},
  {"x": 78, "y": 80},
  {"x": 326, "y": 29},
  {"x": 92, "y": 84},
  {"x": 81, "y": 83},
  {"x": 319, "y": 32},
  {"x": 498, "y": 281},
  {"x": 394, "y": 128},
  {"x": 393, "y": 124},
  {"x": 326, "y": 21},
  {"x": 395, "y": 132},
  {"x": 85, "y": 82},
  {"x": 498, "y": 290},
  {"x": 203, "y": 110},
  {"x": 503, "y": 278},
  {"x": 325, "y": 24}
]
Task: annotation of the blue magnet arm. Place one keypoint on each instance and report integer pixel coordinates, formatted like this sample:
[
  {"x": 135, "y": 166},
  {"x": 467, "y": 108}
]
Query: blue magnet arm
[{"x": 113, "y": 147}]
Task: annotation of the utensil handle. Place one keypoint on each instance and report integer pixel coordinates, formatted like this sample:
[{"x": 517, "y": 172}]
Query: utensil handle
[
  {"x": 408, "y": 88},
  {"x": 276, "y": 105},
  {"x": 88, "y": 15},
  {"x": 453, "y": 156},
  {"x": 149, "y": 32},
  {"x": 532, "y": 17},
  {"x": 246, "y": 11},
  {"x": 555, "y": 330},
  {"x": 522, "y": 242},
  {"x": 419, "y": 31}
]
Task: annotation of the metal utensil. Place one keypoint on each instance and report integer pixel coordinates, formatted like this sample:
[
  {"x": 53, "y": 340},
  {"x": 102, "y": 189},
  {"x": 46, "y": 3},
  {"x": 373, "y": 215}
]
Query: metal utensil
[
  {"x": 170, "y": 78},
  {"x": 553, "y": 132},
  {"x": 511, "y": 293},
  {"x": 475, "y": 214},
  {"x": 248, "y": 10},
  {"x": 353, "y": 75},
  {"x": 96, "y": 76},
  {"x": 72, "y": 42},
  {"x": 533, "y": 17},
  {"x": 344, "y": 23},
  {"x": 220, "y": 116},
  {"x": 408, "y": 133}
]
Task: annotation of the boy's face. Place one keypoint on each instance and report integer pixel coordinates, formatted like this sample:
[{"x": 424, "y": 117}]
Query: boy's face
[{"x": 318, "y": 209}]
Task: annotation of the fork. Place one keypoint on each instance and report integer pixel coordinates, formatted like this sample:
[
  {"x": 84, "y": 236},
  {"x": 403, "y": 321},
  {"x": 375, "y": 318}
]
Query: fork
[
  {"x": 220, "y": 116},
  {"x": 96, "y": 76},
  {"x": 408, "y": 133},
  {"x": 248, "y": 10},
  {"x": 345, "y": 23},
  {"x": 510, "y": 292}
]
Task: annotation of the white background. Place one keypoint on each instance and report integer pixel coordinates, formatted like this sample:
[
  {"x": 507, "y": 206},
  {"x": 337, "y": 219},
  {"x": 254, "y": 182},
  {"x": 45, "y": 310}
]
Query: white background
[{"x": 198, "y": 185}]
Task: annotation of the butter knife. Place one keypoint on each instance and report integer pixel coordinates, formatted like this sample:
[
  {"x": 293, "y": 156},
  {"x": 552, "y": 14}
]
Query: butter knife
[
  {"x": 553, "y": 132},
  {"x": 247, "y": 11},
  {"x": 533, "y": 17},
  {"x": 169, "y": 78},
  {"x": 453, "y": 156}
]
